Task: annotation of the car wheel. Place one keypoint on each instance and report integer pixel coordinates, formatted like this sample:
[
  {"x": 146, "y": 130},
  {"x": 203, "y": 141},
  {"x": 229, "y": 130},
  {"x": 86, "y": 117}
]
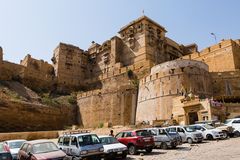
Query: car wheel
[
  {"x": 225, "y": 134},
  {"x": 190, "y": 140},
  {"x": 164, "y": 145},
  {"x": 236, "y": 134},
  {"x": 209, "y": 137},
  {"x": 148, "y": 150},
  {"x": 132, "y": 150}
]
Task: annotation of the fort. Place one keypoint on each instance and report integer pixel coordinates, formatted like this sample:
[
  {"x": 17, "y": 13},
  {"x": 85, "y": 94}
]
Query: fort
[{"x": 138, "y": 76}]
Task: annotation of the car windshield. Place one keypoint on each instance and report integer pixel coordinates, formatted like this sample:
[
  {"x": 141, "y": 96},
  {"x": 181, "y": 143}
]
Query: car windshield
[
  {"x": 88, "y": 140},
  {"x": 208, "y": 126},
  {"x": 108, "y": 140},
  {"x": 189, "y": 129},
  {"x": 143, "y": 133},
  {"x": 44, "y": 147},
  {"x": 227, "y": 121},
  {"x": 17, "y": 144}
]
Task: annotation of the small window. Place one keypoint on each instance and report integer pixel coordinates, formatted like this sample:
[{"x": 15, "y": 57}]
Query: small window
[
  {"x": 127, "y": 134},
  {"x": 74, "y": 141},
  {"x": 119, "y": 135},
  {"x": 180, "y": 130},
  {"x": 24, "y": 147},
  {"x": 29, "y": 149},
  {"x": 162, "y": 132},
  {"x": 236, "y": 121},
  {"x": 66, "y": 141},
  {"x": 60, "y": 140}
]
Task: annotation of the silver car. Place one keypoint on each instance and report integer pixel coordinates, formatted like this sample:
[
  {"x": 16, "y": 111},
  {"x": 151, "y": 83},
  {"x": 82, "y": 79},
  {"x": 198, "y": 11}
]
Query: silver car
[
  {"x": 187, "y": 134},
  {"x": 81, "y": 145},
  {"x": 162, "y": 139}
]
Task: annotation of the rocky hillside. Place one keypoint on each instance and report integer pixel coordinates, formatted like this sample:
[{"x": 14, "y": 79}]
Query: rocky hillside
[{"x": 22, "y": 109}]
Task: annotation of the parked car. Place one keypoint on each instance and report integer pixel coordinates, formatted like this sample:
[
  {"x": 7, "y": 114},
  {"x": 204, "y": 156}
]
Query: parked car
[
  {"x": 227, "y": 130},
  {"x": 4, "y": 155},
  {"x": 209, "y": 132},
  {"x": 235, "y": 123},
  {"x": 175, "y": 135},
  {"x": 39, "y": 150},
  {"x": 162, "y": 139},
  {"x": 113, "y": 148},
  {"x": 13, "y": 146},
  {"x": 81, "y": 144},
  {"x": 136, "y": 140},
  {"x": 187, "y": 134}
]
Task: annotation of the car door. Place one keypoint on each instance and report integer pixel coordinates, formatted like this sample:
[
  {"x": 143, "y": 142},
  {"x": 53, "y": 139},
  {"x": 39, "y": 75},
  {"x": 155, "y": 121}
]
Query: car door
[
  {"x": 182, "y": 133},
  {"x": 65, "y": 146},
  {"x": 22, "y": 154},
  {"x": 74, "y": 146},
  {"x": 236, "y": 124},
  {"x": 163, "y": 135}
]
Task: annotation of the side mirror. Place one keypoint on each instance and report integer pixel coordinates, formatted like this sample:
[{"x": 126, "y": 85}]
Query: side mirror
[{"x": 30, "y": 154}]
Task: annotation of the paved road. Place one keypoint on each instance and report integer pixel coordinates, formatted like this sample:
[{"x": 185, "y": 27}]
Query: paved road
[{"x": 213, "y": 150}]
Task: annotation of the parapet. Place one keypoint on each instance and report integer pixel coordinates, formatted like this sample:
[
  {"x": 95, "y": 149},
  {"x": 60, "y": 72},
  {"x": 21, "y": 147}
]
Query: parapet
[{"x": 178, "y": 64}]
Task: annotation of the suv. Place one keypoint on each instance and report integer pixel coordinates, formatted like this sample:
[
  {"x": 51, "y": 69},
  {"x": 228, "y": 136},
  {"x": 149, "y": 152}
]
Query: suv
[
  {"x": 209, "y": 132},
  {"x": 162, "y": 139},
  {"x": 235, "y": 123},
  {"x": 136, "y": 140},
  {"x": 81, "y": 144},
  {"x": 187, "y": 134}
]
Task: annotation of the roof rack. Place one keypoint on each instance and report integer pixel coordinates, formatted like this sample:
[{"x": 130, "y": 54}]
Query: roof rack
[{"x": 76, "y": 132}]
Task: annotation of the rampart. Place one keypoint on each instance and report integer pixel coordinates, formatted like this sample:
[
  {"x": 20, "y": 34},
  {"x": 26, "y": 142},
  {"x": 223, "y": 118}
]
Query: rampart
[{"x": 157, "y": 90}]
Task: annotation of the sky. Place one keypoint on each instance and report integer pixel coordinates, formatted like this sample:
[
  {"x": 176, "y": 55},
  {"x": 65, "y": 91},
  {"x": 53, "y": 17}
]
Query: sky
[{"x": 36, "y": 27}]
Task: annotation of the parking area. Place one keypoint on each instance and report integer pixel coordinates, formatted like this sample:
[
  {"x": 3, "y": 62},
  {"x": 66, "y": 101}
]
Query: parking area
[{"x": 228, "y": 149}]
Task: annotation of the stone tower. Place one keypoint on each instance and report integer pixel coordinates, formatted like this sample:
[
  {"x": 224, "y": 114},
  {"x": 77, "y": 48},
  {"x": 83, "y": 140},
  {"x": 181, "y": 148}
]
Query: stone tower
[
  {"x": 147, "y": 41},
  {"x": 70, "y": 65}
]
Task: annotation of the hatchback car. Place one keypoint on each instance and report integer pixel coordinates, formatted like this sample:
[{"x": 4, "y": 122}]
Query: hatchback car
[
  {"x": 40, "y": 150},
  {"x": 13, "y": 146},
  {"x": 209, "y": 132},
  {"x": 113, "y": 148},
  {"x": 187, "y": 134}
]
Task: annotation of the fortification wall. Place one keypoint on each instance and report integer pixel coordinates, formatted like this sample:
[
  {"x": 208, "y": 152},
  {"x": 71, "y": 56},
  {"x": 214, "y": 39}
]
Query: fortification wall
[
  {"x": 226, "y": 83},
  {"x": 157, "y": 90},
  {"x": 221, "y": 57},
  {"x": 19, "y": 116},
  {"x": 11, "y": 71},
  {"x": 37, "y": 73},
  {"x": 115, "y": 103}
]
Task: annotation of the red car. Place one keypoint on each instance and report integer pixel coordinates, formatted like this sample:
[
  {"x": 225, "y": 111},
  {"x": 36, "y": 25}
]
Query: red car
[
  {"x": 136, "y": 140},
  {"x": 40, "y": 150}
]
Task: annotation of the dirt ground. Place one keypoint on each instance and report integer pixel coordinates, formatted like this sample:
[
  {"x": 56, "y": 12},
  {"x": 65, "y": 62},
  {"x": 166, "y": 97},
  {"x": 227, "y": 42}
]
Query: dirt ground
[{"x": 210, "y": 150}]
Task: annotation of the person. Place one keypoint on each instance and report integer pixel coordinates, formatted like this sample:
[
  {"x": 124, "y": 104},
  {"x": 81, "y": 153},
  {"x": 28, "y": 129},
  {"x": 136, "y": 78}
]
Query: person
[{"x": 111, "y": 133}]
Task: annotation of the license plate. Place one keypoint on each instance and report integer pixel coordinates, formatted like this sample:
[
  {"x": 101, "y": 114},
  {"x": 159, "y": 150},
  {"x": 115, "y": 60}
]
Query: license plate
[{"x": 119, "y": 152}]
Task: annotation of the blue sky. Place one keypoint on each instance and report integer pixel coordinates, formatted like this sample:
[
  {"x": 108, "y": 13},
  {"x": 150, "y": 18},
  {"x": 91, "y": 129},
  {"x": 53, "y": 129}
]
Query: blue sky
[{"x": 36, "y": 27}]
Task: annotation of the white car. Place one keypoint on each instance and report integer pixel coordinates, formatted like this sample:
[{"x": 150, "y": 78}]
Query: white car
[
  {"x": 209, "y": 132},
  {"x": 187, "y": 134},
  {"x": 13, "y": 146},
  {"x": 235, "y": 123},
  {"x": 113, "y": 148}
]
